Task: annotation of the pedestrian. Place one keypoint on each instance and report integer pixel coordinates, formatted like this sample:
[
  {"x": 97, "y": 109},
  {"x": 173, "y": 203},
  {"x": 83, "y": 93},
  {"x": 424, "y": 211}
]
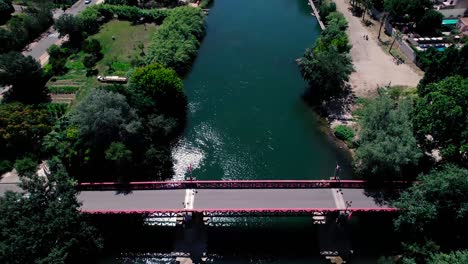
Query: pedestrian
[{"x": 367, "y": 37}]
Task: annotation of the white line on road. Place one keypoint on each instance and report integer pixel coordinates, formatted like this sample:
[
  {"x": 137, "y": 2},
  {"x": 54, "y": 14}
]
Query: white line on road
[
  {"x": 338, "y": 197},
  {"x": 189, "y": 198}
]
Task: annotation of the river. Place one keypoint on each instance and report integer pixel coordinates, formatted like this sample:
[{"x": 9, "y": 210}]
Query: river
[{"x": 247, "y": 121}]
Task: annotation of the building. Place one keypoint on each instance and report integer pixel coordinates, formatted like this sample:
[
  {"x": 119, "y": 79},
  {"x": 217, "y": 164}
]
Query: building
[{"x": 462, "y": 25}]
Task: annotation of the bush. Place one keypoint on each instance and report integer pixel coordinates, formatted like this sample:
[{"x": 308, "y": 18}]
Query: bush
[
  {"x": 344, "y": 133},
  {"x": 26, "y": 166},
  {"x": 5, "y": 166},
  {"x": 89, "y": 61},
  {"x": 92, "y": 46}
]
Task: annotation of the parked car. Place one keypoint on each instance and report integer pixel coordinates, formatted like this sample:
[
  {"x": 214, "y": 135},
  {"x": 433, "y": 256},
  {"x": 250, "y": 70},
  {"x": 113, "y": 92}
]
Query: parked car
[{"x": 87, "y": 2}]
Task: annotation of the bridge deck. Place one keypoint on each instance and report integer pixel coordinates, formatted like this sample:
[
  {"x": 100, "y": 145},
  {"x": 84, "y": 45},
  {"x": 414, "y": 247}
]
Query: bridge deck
[
  {"x": 225, "y": 200},
  {"x": 255, "y": 201}
]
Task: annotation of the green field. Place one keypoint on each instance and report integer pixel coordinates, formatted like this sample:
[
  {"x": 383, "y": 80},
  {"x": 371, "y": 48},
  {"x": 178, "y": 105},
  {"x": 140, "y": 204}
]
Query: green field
[{"x": 118, "y": 54}]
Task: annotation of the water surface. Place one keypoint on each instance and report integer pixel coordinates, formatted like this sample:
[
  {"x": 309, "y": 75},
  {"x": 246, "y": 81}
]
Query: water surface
[{"x": 247, "y": 119}]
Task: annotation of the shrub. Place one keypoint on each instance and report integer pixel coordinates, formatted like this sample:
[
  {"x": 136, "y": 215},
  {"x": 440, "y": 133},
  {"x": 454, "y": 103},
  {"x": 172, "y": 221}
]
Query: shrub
[
  {"x": 344, "y": 133},
  {"x": 26, "y": 166},
  {"x": 5, "y": 166},
  {"x": 63, "y": 89}
]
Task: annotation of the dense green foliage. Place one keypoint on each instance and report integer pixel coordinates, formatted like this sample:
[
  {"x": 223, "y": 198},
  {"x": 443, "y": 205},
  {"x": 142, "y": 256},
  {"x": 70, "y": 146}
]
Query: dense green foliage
[
  {"x": 45, "y": 226},
  {"x": 22, "y": 128},
  {"x": 420, "y": 14},
  {"x": 26, "y": 166},
  {"x": 434, "y": 213},
  {"x": 25, "y": 76},
  {"x": 57, "y": 60},
  {"x": 387, "y": 147},
  {"x": 326, "y": 72},
  {"x": 327, "y": 65},
  {"x": 160, "y": 89},
  {"x": 438, "y": 65},
  {"x": 23, "y": 28},
  {"x": 6, "y": 9},
  {"x": 344, "y": 133},
  {"x": 442, "y": 113},
  {"x": 415, "y": 9},
  {"x": 430, "y": 23},
  {"x": 176, "y": 42},
  {"x": 454, "y": 257},
  {"x": 124, "y": 133},
  {"x": 326, "y": 8}
]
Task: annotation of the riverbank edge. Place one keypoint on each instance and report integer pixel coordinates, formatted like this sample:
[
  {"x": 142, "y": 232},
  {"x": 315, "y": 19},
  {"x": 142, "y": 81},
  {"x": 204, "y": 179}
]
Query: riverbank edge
[{"x": 327, "y": 121}]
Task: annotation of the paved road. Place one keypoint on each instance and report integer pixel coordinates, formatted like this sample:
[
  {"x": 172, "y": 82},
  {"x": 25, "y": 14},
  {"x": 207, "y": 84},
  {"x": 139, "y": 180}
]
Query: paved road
[{"x": 38, "y": 49}]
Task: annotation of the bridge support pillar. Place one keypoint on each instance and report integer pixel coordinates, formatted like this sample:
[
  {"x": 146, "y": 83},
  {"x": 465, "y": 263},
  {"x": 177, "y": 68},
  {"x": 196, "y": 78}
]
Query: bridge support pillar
[
  {"x": 191, "y": 239},
  {"x": 334, "y": 238}
]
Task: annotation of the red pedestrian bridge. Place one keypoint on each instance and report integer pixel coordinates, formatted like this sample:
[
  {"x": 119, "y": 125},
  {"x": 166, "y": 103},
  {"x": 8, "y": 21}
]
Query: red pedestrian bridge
[{"x": 231, "y": 198}]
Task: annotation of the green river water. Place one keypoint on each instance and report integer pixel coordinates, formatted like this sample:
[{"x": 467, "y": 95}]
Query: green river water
[{"x": 247, "y": 121}]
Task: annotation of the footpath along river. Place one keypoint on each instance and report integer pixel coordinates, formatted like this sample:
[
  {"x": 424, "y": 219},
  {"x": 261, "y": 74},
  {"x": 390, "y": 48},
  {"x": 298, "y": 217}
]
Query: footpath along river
[{"x": 247, "y": 121}]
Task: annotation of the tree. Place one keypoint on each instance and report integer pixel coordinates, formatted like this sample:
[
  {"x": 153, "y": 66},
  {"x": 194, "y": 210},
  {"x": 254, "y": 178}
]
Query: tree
[
  {"x": 70, "y": 25},
  {"x": 7, "y": 40},
  {"x": 326, "y": 72},
  {"x": 159, "y": 89},
  {"x": 387, "y": 146},
  {"x": 43, "y": 225},
  {"x": 442, "y": 113},
  {"x": 383, "y": 20},
  {"x": 334, "y": 35},
  {"x": 103, "y": 117},
  {"x": 120, "y": 157},
  {"x": 453, "y": 257},
  {"x": 22, "y": 128},
  {"x": 438, "y": 65},
  {"x": 175, "y": 43},
  {"x": 415, "y": 9},
  {"x": 6, "y": 8},
  {"x": 158, "y": 163},
  {"x": 25, "y": 76},
  {"x": 396, "y": 36},
  {"x": 434, "y": 212},
  {"x": 93, "y": 47},
  {"x": 26, "y": 166},
  {"x": 57, "y": 59},
  {"x": 430, "y": 23}
]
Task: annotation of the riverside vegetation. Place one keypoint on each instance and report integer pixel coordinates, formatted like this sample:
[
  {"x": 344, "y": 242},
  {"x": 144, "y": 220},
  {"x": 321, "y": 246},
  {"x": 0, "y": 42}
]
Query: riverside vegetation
[
  {"x": 398, "y": 129},
  {"x": 111, "y": 131}
]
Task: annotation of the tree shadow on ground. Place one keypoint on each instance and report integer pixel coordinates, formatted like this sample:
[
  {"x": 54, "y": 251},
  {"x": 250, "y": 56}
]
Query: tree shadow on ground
[{"x": 383, "y": 197}]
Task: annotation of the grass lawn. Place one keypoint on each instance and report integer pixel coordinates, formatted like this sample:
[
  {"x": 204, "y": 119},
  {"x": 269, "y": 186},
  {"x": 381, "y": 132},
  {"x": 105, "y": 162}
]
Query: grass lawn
[{"x": 118, "y": 55}]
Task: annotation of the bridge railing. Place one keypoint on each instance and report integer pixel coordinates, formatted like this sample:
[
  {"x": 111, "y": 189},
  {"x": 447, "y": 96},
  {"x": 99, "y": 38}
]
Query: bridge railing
[
  {"x": 241, "y": 184},
  {"x": 244, "y": 212}
]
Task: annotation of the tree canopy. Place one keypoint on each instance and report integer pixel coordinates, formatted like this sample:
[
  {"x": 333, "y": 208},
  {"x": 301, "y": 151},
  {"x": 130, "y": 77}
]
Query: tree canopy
[
  {"x": 175, "y": 43},
  {"x": 387, "y": 146},
  {"x": 22, "y": 128},
  {"x": 442, "y": 113},
  {"x": 326, "y": 72},
  {"x": 434, "y": 212},
  {"x": 25, "y": 76},
  {"x": 44, "y": 224},
  {"x": 159, "y": 90},
  {"x": 415, "y": 9}
]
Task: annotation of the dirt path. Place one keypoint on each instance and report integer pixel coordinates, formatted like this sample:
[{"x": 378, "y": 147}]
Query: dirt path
[{"x": 373, "y": 66}]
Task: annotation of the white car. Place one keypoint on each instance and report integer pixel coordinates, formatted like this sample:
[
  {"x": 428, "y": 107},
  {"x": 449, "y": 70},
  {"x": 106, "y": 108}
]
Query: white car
[{"x": 87, "y": 2}]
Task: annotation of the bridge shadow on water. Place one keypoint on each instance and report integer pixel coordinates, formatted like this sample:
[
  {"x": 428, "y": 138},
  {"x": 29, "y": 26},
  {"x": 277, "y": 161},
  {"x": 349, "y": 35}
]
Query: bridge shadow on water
[{"x": 366, "y": 234}]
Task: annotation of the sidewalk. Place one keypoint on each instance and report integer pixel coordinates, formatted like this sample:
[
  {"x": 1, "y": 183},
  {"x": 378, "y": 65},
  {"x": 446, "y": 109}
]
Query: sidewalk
[{"x": 374, "y": 68}]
